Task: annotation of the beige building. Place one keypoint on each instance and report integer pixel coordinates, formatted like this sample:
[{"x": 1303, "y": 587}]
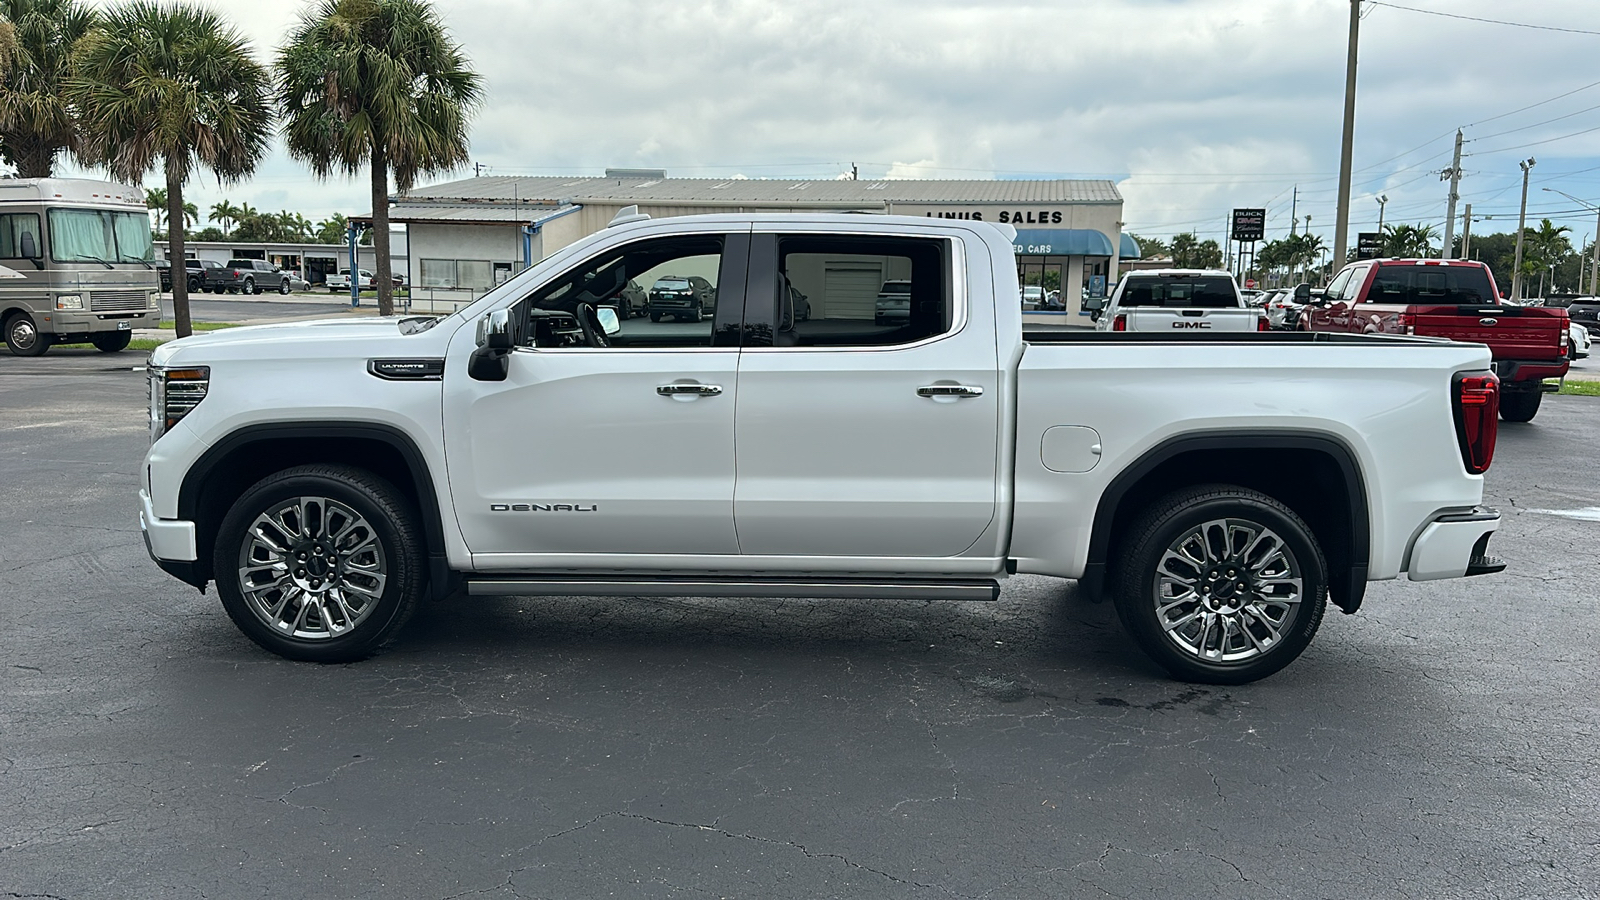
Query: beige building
[{"x": 467, "y": 236}]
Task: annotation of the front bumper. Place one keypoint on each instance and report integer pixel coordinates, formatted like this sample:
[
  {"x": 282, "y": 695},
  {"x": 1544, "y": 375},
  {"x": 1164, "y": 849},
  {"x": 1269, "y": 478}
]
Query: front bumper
[
  {"x": 165, "y": 539},
  {"x": 59, "y": 322},
  {"x": 1455, "y": 545}
]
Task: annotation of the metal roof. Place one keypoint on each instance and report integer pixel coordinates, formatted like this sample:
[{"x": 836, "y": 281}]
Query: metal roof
[
  {"x": 557, "y": 189},
  {"x": 461, "y": 212}
]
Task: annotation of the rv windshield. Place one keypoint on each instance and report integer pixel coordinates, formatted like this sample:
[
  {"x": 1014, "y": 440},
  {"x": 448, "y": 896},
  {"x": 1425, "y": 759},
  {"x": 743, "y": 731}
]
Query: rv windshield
[{"x": 98, "y": 235}]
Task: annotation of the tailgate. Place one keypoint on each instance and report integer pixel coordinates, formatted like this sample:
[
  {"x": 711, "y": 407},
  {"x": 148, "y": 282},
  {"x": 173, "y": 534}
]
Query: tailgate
[
  {"x": 1512, "y": 332},
  {"x": 1203, "y": 319}
]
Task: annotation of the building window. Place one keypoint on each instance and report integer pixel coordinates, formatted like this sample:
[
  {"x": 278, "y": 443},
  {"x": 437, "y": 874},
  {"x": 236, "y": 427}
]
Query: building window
[
  {"x": 474, "y": 274},
  {"x": 439, "y": 273}
]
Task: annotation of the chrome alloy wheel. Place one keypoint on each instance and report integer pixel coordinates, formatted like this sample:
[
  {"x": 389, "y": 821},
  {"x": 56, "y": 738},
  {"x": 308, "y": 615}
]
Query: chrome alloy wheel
[
  {"x": 23, "y": 333},
  {"x": 1228, "y": 591},
  {"x": 311, "y": 568}
]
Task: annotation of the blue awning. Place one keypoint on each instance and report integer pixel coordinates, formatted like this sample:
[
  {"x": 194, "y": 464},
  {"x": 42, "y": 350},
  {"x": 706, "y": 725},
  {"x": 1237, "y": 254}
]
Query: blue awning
[
  {"x": 1130, "y": 248},
  {"x": 1061, "y": 242}
]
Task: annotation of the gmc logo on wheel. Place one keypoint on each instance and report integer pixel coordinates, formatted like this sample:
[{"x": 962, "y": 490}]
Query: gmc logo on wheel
[{"x": 1191, "y": 324}]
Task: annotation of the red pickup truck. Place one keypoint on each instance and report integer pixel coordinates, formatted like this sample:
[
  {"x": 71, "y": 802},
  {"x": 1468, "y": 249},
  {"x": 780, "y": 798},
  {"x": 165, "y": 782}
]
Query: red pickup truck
[{"x": 1454, "y": 299}]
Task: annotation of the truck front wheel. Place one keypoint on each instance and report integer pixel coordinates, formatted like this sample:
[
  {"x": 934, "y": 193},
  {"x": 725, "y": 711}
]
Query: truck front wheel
[
  {"x": 1520, "y": 406},
  {"x": 1221, "y": 584},
  {"x": 320, "y": 563},
  {"x": 23, "y": 337}
]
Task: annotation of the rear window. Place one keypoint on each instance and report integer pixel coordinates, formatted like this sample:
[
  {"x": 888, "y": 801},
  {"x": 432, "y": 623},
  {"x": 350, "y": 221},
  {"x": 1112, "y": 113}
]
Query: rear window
[
  {"x": 672, "y": 284},
  {"x": 1186, "y": 291},
  {"x": 1414, "y": 285}
]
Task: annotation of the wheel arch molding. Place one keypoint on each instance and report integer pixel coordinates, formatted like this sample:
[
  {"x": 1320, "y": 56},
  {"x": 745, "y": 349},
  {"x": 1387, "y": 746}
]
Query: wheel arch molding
[
  {"x": 1314, "y": 473},
  {"x": 230, "y": 466}
]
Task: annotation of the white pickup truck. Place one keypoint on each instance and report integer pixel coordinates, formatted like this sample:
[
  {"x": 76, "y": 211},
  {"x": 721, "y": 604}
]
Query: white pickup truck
[
  {"x": 1178, "y": 301},
  {"x": 331, "y": 475}
]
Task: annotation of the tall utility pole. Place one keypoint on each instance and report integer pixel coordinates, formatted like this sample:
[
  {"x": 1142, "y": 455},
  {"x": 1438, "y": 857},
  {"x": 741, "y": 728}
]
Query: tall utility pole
[
  {"x": 1383, "y": 201},
  {"x": 1454, "y": 174},
  {"x": 1522, "y": 221},
  {"x": 1466, "y": 233},
  {"x": 1594, "y": 284},
  {"x": 1341, "y": 228}
]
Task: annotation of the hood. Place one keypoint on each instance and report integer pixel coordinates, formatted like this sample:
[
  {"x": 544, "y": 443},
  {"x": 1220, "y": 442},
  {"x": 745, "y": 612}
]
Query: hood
[{"x": 319, "y": 337}]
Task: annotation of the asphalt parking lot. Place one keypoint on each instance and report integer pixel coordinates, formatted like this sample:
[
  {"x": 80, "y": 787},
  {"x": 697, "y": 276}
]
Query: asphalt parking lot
[{"x": 1439, "y": 744}]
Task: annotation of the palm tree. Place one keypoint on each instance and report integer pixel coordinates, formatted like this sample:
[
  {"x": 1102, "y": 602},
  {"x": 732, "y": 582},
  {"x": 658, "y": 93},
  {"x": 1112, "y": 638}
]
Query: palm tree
[
  {"x": 174, "y": 83},
  {"x": 376, "y": 83},
  {"x": 225, "y": 213},
  {"x": 156, "y": 199},
  {"x": 36, "y": 121},
  {"x": 332, "y": 229},
  {"x": 1408, "y": 241},
  {"x": 8, "y": 47}
]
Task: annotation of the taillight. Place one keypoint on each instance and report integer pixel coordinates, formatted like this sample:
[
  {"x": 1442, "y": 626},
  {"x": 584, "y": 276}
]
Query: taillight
[
  {"x": 1408, "y": 323},
  {"x": 1120, "y": 323},
  {"x": 1261, "y": 323},
  {"x": 1477, "y": 409}
]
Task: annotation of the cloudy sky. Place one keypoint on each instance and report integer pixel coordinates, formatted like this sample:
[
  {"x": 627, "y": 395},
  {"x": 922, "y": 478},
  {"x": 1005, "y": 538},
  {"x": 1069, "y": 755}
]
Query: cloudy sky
[{"x": 1191, "y": 106}]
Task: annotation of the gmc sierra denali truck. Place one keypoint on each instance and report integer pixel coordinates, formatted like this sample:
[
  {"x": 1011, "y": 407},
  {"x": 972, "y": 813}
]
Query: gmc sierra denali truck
[
  {"x": 329, "y": 476},
  {"x": 1454, "y": 299},
  {"x": 1176, "y": 301}
]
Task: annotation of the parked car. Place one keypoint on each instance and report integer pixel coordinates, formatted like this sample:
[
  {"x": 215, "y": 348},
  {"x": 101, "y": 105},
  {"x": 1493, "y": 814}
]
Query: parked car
[
  {"x": 633, "y": 301},
  {"x": 1454, "y": 299},
  {"x": 340, "y": 281},
  {"x": 383, "y": 468},
  {"x": 296, "y": 283},
  {"x": 893, "y": 304},
  {"x": 252, "y": 276},
  {"x": 1284, "y": 305},
  {"x": 1032, "y": 297},
  {"x": 1585, "y": 310},
  {"x": 1176, "y": 301},
  {"x": 1580, "y": 341},
  {"x": 202, "y": 274},
  {"x": 801, "y": 303},
  {"x": 682, "y": 297}
]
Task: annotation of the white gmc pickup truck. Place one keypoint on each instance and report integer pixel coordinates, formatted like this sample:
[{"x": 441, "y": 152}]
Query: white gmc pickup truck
[
  {"x": 331, "y": 475},
  {"x": 1181, "y": 301}
]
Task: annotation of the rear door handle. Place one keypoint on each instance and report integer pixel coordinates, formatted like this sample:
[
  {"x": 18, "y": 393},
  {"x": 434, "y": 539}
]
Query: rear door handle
[
  {"x": 699, "y": 390},
  {"x": 949, "y": 390}
]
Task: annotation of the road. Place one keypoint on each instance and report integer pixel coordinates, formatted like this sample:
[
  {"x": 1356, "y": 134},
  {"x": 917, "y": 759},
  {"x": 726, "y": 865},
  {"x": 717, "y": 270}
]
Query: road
[
  {"x": 230, "y": 308},
  {"x": 1439, "y": 744}
]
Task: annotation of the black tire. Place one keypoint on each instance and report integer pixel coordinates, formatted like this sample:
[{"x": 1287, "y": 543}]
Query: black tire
[
  {"x": 23, "y": 337},
  {"x": 194, "y": 285},
  {"x": 249, "y": 286},
  {"x": 1520, "y": 406},
  {"x": 655, "y": 317},
  {"x": 111, "y": 341},
  {"x": 1177, "y": 520},
  {"x": 698, "y": 314},
  {"x": 283, "y": 287},
  {"x": 393, "y": 532}
]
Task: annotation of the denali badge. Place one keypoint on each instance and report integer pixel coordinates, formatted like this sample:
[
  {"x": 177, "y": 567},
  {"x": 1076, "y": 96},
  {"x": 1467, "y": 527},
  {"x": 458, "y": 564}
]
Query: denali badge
[{"x": 544, "y": 507}]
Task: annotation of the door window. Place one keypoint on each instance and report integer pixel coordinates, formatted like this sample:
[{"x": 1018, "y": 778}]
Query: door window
[
  {"x": 1336, "y": 287},
  {"x": 667, "y": 293},
  {"x": 848, "y": 291}
]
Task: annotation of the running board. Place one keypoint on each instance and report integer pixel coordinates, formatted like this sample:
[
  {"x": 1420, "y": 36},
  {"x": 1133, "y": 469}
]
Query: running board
[{"x": 713, "y": 586}]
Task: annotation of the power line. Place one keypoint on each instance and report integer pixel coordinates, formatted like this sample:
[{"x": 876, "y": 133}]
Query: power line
[
  {"x": 1434, "y": 12},
  {"x": 1538, "y": 143},
  {"x": 1536, "y": 124}
]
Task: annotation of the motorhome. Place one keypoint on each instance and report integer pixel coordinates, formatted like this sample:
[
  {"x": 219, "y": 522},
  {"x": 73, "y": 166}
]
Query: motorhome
[{"x": 78, "y": 264}]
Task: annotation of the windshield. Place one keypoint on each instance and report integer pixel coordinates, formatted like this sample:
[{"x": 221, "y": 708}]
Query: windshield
[
  {"x": 1412, "y": 284},
  {"x": 98, "y": 235},
  {"x": 1186, "y": 291}
]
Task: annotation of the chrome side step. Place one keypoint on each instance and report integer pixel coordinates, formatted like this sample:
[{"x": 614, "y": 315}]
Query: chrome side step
[{"x": 714, "y": 586}]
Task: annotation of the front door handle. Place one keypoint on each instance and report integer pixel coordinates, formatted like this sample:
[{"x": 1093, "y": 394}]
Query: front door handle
[
  {"x": 950, "y": 390},
  {"x": 698, "y": 390}
]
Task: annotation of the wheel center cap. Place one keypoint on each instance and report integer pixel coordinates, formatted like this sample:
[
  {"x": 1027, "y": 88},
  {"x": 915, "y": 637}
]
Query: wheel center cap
[{"x": 1224, "y": 587}]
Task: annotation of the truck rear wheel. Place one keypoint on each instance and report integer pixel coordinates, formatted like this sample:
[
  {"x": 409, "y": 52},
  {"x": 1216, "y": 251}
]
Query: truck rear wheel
[
  {"x": 23, "y": 337},
  {"x": 111, "y": 341},
  {"x": 1520, "y": 406},
  {"x": 320, "y": 563},
  {"x": 1220, "y": 584},
  {"x": 283, "y": 287}
]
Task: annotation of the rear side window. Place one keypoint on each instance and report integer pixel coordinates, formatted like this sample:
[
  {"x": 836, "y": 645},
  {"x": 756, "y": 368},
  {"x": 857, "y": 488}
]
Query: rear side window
[
  {"x": 1188, "y": 291},
  {"x": 856, "y": 291},
  {"x": 1414, "y": 285},
  {"x": 12, "y": 227}
]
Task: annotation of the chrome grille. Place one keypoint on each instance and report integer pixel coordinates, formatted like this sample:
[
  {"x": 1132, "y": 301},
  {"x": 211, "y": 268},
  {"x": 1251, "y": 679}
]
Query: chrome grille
[{"x": 119, "y": 300}]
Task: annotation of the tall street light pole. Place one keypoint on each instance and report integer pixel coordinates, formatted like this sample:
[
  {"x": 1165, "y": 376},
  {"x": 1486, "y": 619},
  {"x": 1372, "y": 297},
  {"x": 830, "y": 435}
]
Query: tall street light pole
[
  {"x": 1341, "y": 228},
  {"x": 1594, "y": 277},
  {"x": 1383, "y": 201},
  {"x": 1522, "y": 222}
]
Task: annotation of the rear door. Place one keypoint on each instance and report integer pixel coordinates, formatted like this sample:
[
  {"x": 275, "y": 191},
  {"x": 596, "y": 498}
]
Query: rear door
[{"x": 856, "y": 438}]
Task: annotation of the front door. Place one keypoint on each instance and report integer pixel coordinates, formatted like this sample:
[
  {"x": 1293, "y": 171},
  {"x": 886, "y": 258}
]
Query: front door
[
  {"x": 864, "y": 430},
  {"x": 622, "y": 449}
]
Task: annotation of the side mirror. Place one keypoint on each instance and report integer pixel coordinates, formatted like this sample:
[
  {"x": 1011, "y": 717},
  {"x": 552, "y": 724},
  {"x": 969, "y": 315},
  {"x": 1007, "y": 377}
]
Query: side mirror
[
  {"x": 1094, "y": 304},
  {"x": 610, "y": 320},
  {"x": 492, "y": 360}
]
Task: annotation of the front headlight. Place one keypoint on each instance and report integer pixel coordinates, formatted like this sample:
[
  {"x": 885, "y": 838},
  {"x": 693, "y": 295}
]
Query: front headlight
[
  {"x": 69, "y": 301},
  {"x": 155, "y": 299},
  {"x": 174, "y": 393}
]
